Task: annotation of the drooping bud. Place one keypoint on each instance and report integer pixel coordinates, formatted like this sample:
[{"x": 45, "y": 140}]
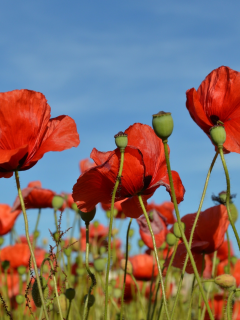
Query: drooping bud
[
  {"x": 162, "y": 123},
  {"x": 88, "y": 216},
  {"x": 129, "y": 266},
  {"x": 218, "y": 135},
  {"x": 57, "y": 202},
  {"x": 70, "y": 293},
  {"x": 226, "y": 281},
  {"x": 171, "y": 239},
  {"x": 121, "y": 140},
  {"x": 36, "y": 294},
  {"x": 176, "y": 229}
]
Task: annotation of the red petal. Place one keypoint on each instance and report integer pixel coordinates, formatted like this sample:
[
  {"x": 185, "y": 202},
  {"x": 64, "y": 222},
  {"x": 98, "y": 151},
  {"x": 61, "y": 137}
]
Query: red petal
[
  {"x": 99, "y": 157},
  {"x": 131, "y": 207},
  {"x": 60, "y": 135},
  {"x": 7, "y": 218}
]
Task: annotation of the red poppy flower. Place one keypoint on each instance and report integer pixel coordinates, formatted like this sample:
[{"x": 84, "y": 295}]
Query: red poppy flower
[
  {"x": 12, "y": 283},
  {"x": 144, "y": 170},
  {"x": 27, "y": 132},
  {"x": 218, "y": 98},
  {"x": 19, "y": 254},
  {"x": 158, "y": 226},
  {"x": 166, "y": 209},
  {"x": 143, "y": 265},
  {"x": 208, "y": 236},
  {"x": 7, "y": 218},
  {"x": 85, "y": 164},
  {"x": 35, "y": 197}
]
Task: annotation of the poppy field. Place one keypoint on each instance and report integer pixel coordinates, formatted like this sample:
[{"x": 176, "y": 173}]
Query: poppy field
[{"x": 189, "y": 269}]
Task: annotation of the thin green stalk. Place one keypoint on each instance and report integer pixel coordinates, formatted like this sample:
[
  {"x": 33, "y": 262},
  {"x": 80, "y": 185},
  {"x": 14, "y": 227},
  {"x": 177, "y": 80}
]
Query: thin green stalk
[
  {"x": 110, "y": 231},
  {"x": 199, "y": 297},
  {"x": 229, "y": 304},
  {"x": 54, "y": 281},
  {"x": 139, "y": 294},
  {"x": 181, "y": 229},
  {"x": 229, "y": 252},
  {"x": 40, "y": 314},
  {"x": 156, "y": 254},
  {"x": 151, "y": 293},
  {"x": 125, "y": 269},
  {"x": 166, "y": 277},
  {"x": 69, "y": 308},
  {"x": 30, "y": 245},
  {"x": 91, "y": 275},
  {"x": 36, "y": 227},
  {"x": 228, "y": 195}
]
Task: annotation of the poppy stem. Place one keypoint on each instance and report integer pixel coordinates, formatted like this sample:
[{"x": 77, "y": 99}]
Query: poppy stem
[
  {"x": 91, "y": 275},
  {"x": 155, "y": 252},
  {"x": 199, "y": 297},
  {"x": 229, "y": 304},
  {"x": 110, "y": 230},
  {"x": 139, "y": 294},
  {"x": 220, "y": 149},
  {"x": 125, "y": 269},
  {"x": 229, "y": 252},
  {"x": 29, "y": 244},
  {"x": 181, "y": 229},
  {"x": 193, "y": 229},
  {"x": 52, "y": 273}
]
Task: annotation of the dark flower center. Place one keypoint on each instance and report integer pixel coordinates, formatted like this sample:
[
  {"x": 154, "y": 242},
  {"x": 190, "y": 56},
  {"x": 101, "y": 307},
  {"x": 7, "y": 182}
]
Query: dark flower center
[{"x": 214, "y": 119}]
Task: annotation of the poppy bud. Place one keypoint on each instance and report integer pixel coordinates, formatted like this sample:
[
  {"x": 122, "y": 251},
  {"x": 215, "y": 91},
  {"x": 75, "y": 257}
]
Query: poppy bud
[
  {"x": 56, "y": 236},
  {"x": 1, "y": 241},
  {"x": 117, "y": 293},
  {"x": 129, "y": 266},
  {"x": 226, "y": 281},
  {"x": 121, "y": 140},
  {"x": 102, "y": 250},
  {"x": 171, "y": 239},
  {"x": 233, "y": 260},
  {"x": 163, "y": 246},
  {"x": 81, "y": 271},
  {"x": 99, "y": 264},
  {"x": 162, "y": 123},
  {"x": 70, "y": 293},
  {"x": 88, "y": 216},
  {"x": 218, "y": 135},
  {"x": 20, "y": 299},
  {"x": 176, "y": 229},
  {"x": 68, "y": 251},
  {"x": 21, "y": 270},
  {"x": 57, "y": 202},
  {"x": 140, "y": 243},
  {"x": 91, "y": 300},
  {"x": 131, "y": 233},
  {"x": 36, "y": 234},
  {"x": 75, "y": 207},
  {"x": 5, "y": 265},
  {"x": 35, "y": 292}
]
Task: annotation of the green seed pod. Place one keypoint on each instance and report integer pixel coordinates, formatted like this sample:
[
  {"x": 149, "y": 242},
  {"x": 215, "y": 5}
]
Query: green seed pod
[
  {"x": 56, "y": 236},
  {"x": 99, "y": 264},
  {"x": 171, "y": 239},
  {"x": 75, "y": 207},
  {"x": 218, "y": 135},
  {"x": 162, "y": 123},
  {"x": 70, "y": 293},
  {"x": 35, "y": 292},
  {"x": 102, "y": 250},
  {"x": 131, "y": 233},
  {"x": 234, "y": 212},
  {"x": 226, "y": 281},
  {"x": 91, "y": 300},
  {"x": 81, "y": 271},
  {"x": 68, "y": 251},
  {"x": 163, "y": 246},
  {"x": 121, "y": 140},
  {"x": 96, "y": 223},
  {"x": 21, "y": 270},
  {"x": 176, "y": 229},
  {"x": 117, "y": 293},
  {"x": 140, "y": 243},
  {"x": 1, "y": 241},
  {"x": 233, "y": 260},
  {"x": 57, "y": 202},
  {"x": 5, "y": 265},
  {"x": 36, "y": 234},
  {"x": 20, "y": 299},
  {"x": 88, "y": 216},
  {"x": 161, "y": 261}
]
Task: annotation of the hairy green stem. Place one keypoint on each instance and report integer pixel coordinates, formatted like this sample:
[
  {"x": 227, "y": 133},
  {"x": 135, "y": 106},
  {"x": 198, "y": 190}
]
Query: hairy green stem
[
  {"x": 228, "y": 195},
  {"x": 110, "y": 231},
  {"x": 181, "y": 229},
  {"x": 29, "y": 244},
  {"x": 125, "y": 269},
  {"x": 156, "y": 254}
]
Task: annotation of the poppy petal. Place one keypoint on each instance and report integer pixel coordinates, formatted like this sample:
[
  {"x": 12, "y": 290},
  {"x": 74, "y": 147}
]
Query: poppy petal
[{"x": 131, "y": 207}]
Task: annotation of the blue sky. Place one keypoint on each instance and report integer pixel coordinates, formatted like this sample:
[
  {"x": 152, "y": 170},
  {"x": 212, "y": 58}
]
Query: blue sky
[{"x": 110, "y": 64}]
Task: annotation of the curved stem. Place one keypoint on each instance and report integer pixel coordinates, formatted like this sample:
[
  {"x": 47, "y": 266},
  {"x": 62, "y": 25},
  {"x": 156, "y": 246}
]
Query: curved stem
[
  {"x": 55, "y": 283},
  {"x": 228, "y": 195},
  {"x": 29, "y": 244},
  {"x": 125, "y": 270},
  {"x": 110, "y": 231},
  {"x": 156, "y": 254},
  {"x": 91, "y": 275},
  {"x": 182, "y": 232}
]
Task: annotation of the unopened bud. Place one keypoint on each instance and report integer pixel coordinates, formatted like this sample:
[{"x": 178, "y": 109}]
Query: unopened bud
[
  {"x": 176, "y": 229},
  {"x": 226, "y": 281},
  {"x": 171, "y": 239},
  {"x": 99, "y": 264},
  {"x": 20, "y": 299},
  {"x": 57, "y": 202},
  {"x": 129, "y": 266},
  {"x": 36, "y": 294}
]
